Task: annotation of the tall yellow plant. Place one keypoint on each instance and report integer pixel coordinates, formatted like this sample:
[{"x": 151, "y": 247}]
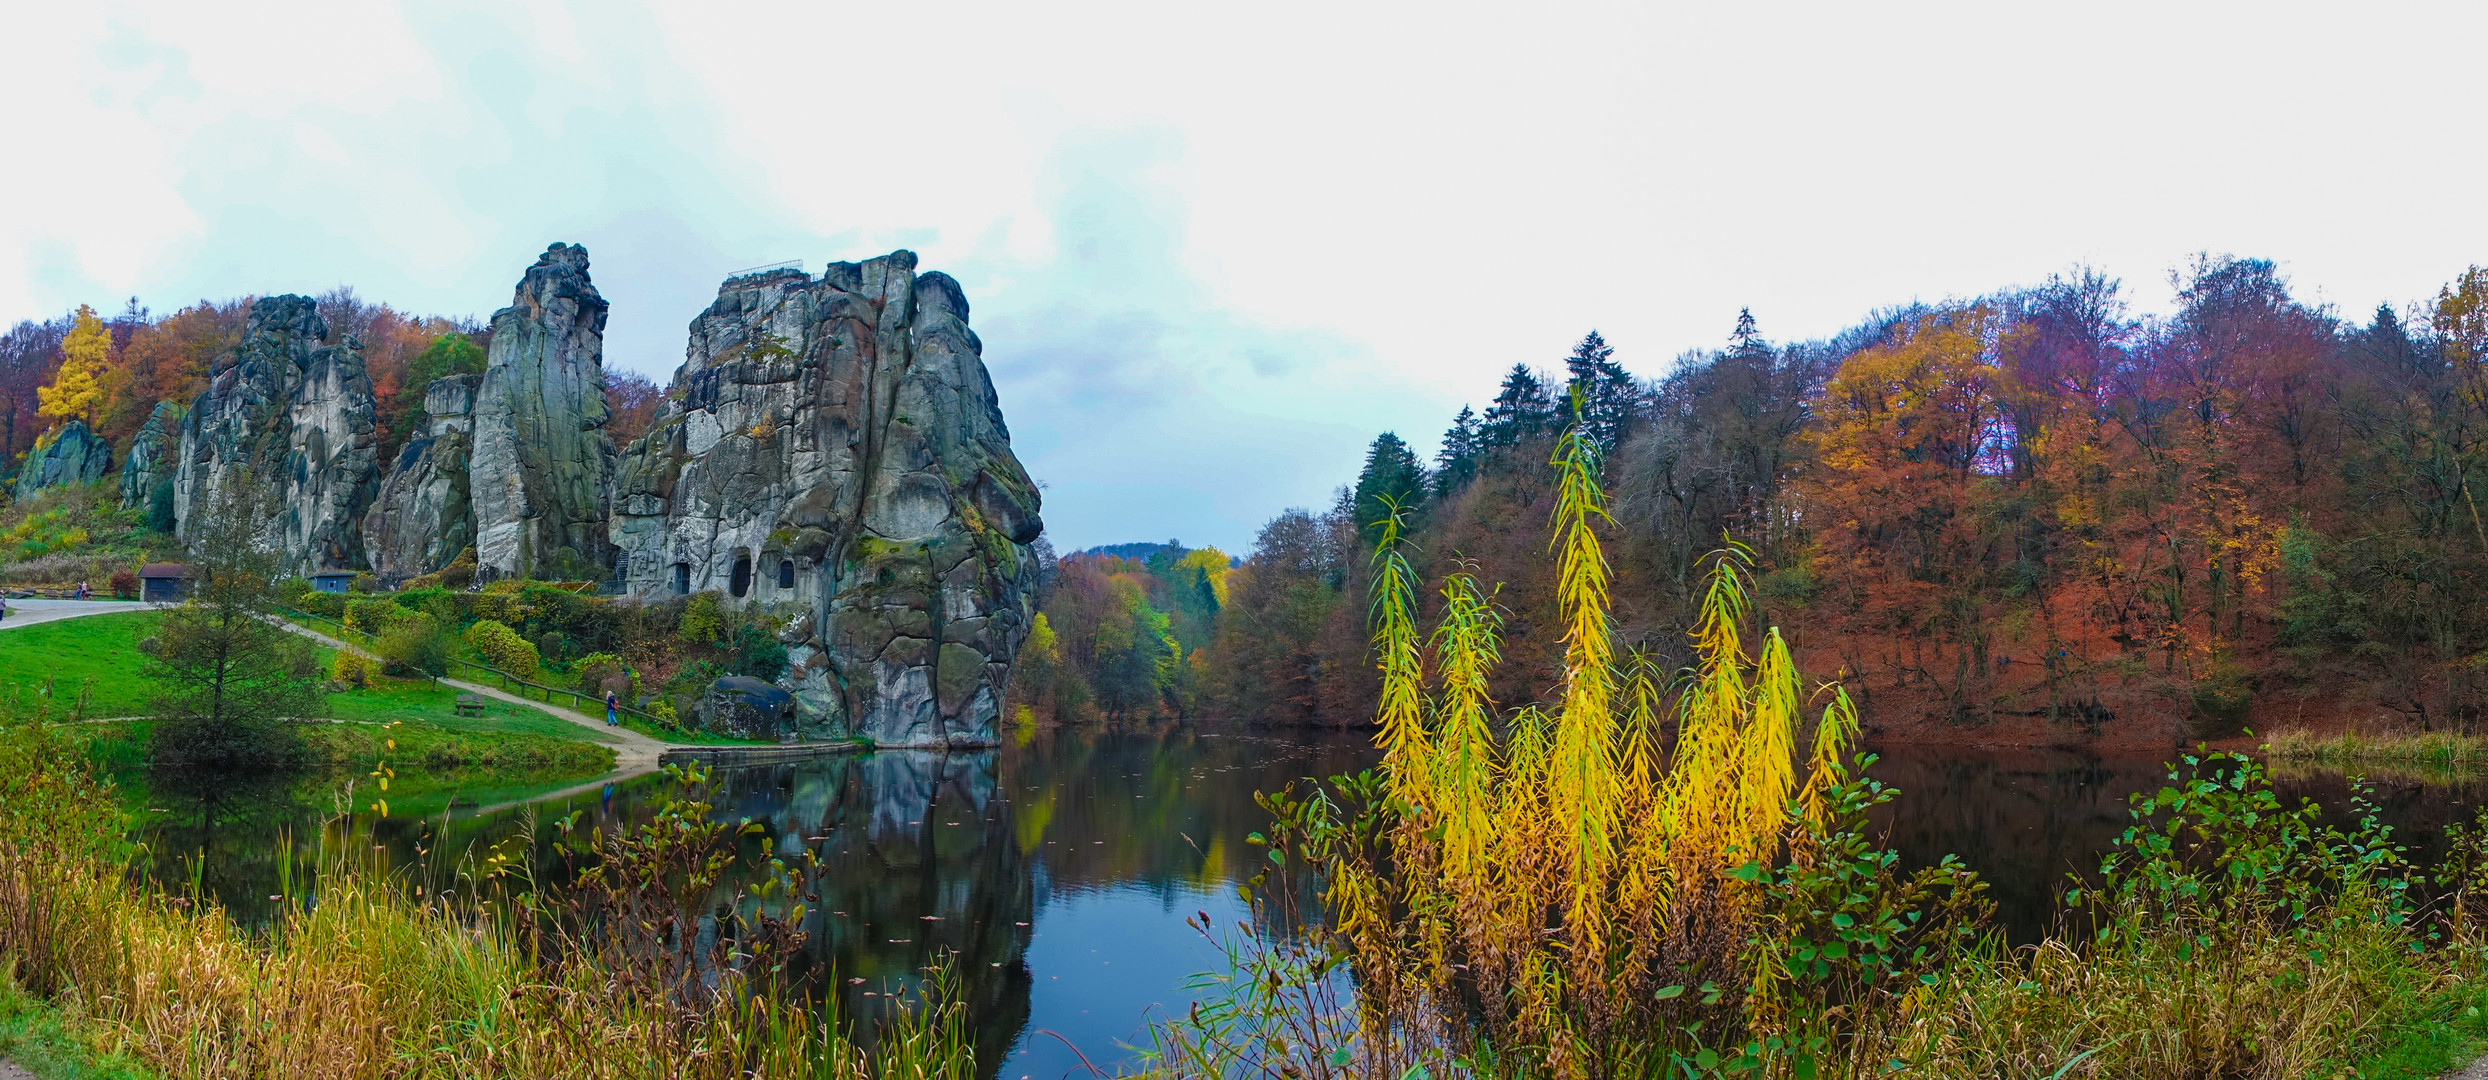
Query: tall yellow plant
[{"x": 1579, "y": 886}]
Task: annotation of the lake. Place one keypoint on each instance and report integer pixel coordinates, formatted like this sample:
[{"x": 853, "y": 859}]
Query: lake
[{"x": 1055, "y": 876}]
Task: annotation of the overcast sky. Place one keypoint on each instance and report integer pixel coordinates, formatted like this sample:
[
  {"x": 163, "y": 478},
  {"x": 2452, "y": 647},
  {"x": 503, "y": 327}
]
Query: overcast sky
[{"x": 1214, "y": 249}]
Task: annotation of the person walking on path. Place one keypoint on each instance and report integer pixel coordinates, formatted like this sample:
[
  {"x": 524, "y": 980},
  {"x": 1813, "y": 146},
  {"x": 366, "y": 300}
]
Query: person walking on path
[{"x": 613, "y": 715}]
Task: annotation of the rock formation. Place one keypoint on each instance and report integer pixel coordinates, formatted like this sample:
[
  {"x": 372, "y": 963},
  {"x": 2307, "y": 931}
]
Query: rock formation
[
  {"x": 423, "y": 517},
  {"x": 835, "y": 451},
  {"x": 71, "y": 454},
  {"x": 542, "y": 463},
  {"x": 149, "y": 462},
  {"x": 516, "y": 460},
  {"x": 293, "y": 413}
]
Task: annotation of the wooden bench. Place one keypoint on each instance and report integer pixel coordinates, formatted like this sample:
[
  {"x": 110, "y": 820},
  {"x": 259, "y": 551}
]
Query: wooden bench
[{"x": 468, "y": 705}]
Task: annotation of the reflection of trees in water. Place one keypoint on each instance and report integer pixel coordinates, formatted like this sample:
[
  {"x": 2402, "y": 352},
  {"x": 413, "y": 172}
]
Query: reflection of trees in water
[
  {"x": 228, "y": 827},
  {"x": 1167, "y": 809},
  {"x": 2026, "y": 819}
]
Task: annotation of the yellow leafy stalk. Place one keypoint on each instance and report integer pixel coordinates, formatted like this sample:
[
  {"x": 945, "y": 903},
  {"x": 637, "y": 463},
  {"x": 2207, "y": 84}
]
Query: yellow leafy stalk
[
  {"x": 1467, "y": 645},
  {"x": 1584, "y": 792},
  {"x": 1394, "y": 621}
]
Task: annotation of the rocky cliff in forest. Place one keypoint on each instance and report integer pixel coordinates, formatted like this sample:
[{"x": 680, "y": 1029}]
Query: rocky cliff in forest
[
  {"x": 423, "y": 516},
  {"x": 286, "y": 409},
  {"x": 833, "y": 446},
  {"x": 514, "y": 461},
  {"x": 147, "y": 469},
  {"x": 71, "y": 454}
]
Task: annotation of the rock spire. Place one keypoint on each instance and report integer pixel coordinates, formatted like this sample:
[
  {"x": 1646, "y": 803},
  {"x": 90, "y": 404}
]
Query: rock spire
[{"x": 834, "y": 450}]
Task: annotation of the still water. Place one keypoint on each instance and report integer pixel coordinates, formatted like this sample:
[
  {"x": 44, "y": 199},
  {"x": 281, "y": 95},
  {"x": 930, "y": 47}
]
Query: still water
[{"x": 1056, "y": 876}]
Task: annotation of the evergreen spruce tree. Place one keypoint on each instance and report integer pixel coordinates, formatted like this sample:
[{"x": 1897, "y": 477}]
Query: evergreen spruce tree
[
  {"x": 1745, "y": 340},
  {"x": 1522, "y": 408},
  {"x": 1392, "y": 478},
  {"x": 1456, "y": 464},
  {"x": 1609, "y": 399}
]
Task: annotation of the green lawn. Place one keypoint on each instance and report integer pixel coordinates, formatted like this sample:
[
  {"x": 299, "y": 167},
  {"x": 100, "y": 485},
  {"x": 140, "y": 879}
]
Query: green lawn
[
  {"x": 434, "y": 704},
  {"x": 100, "y": 651}
]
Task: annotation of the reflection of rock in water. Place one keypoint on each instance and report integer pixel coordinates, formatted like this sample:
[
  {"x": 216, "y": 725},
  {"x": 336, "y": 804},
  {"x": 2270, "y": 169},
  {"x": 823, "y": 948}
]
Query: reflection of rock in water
[{"x": 919, "y": 868}]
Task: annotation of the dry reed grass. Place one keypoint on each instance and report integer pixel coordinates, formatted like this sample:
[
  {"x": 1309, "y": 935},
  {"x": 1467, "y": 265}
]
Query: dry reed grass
[{"x": 362, "y": 980}]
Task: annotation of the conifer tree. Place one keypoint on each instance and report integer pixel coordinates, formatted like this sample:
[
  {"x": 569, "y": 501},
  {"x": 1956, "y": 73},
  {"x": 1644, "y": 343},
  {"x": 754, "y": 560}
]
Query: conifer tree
[
  {"x": 1608, "y": 396},
  {"x": 1456, "y": 464},
  {"x": 1392, "y": 478},
  {"x": 1745, "y": 340},
  {"x": 1522, "y": 408}
]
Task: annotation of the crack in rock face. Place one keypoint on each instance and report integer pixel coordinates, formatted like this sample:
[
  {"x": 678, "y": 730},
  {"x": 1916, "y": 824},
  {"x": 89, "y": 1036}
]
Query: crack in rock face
[{"x": 833, "y": 448}]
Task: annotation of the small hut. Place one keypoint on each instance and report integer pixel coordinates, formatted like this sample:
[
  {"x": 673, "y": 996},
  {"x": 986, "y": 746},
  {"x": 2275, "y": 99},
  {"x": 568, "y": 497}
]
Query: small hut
[
  {"x": 336, "y": 581},
  {"x": 163, "y": 583}
]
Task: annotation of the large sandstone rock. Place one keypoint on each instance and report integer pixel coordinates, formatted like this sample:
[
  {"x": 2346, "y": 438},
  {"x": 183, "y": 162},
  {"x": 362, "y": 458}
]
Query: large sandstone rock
[
  {"x": 742, "y": 707},
  {"x": 835, "y": 451},
  {"x": 292, "y": 412},
  {"x": 542, "y": 464},
  {"x": 423, "y": 517},
  {"x": 72, "y": 454},
  {"x": 150, "y": 460}
]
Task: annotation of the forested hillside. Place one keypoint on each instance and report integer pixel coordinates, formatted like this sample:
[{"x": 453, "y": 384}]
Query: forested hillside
[{"x": 2033, "y": 510}]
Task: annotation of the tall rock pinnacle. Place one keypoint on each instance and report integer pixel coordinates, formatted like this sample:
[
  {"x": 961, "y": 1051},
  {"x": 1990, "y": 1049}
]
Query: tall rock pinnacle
[{"x": 542, "y": 464}]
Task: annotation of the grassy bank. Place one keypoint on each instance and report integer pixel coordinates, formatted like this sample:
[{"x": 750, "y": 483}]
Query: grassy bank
[
  {"x": 365, "y": 980},
  {"x": 2431, "y": 750}
]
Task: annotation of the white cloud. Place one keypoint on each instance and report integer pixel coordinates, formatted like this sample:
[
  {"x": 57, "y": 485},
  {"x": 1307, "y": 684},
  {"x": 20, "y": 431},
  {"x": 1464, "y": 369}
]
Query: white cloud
[{"x": 1342, "y": 218}]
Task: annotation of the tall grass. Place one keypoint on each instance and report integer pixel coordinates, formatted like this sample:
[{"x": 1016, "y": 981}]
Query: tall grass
[
  {"x": 1678, "y": 877},
  {"x": 365, "y": 978},
  {"x": 2440, "y": 750}
]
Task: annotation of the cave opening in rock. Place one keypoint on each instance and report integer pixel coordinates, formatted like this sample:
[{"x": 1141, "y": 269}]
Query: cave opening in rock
[
  {"x": 786, "y": 573},
  {"x": 682, "y": 579},
  {"x": 741, "y": 582}
]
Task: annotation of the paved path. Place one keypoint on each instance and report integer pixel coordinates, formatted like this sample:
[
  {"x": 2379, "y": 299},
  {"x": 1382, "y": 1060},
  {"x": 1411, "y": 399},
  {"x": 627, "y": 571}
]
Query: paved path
[
  {"x": 30, "y": 612},
  {"x": 633, "y": 753}
]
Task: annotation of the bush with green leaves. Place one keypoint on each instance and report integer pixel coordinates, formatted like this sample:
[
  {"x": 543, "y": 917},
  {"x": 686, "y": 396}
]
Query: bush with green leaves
[
  {"x": 501, "y": 647},
  {"x": 413, "y": 645}
]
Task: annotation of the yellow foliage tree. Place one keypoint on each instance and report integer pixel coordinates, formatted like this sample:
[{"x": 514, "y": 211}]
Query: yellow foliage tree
[
  {"x": 1213, "y": 565},
  {"x": 86, "y": 361}
]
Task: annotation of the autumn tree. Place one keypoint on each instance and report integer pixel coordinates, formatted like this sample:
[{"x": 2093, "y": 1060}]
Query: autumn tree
[
  {"x": 633, "y": 400},
  {"x": 1905, "y": 495},
  {"x": 77, "y": 387}
]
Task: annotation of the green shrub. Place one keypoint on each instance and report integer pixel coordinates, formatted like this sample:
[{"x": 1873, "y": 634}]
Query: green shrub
[
  {"x": 325, "y": 605},
  {"x": 703, "y": 620},
  {"x": 413, "y": 645},
  {"x": 371, "y": 615},
  {"x": 501, "y": 647},
  {"x": 351, "y": 668}
]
